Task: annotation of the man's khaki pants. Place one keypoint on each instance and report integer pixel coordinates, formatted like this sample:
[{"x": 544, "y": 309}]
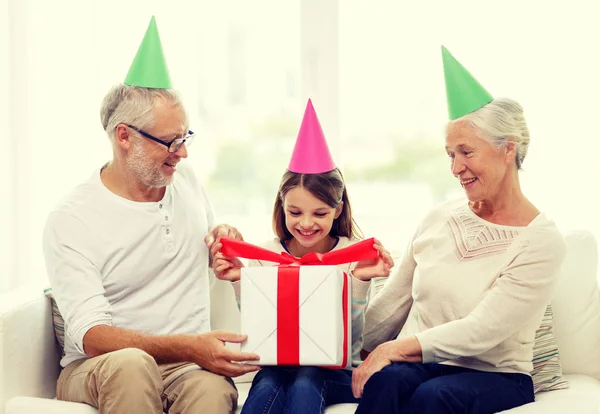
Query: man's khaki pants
[{"x": 130, "y": 381}]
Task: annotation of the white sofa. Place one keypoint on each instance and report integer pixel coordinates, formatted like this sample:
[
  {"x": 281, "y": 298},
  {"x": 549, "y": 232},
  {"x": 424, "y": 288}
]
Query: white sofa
[{"x": 29, "y": 358}]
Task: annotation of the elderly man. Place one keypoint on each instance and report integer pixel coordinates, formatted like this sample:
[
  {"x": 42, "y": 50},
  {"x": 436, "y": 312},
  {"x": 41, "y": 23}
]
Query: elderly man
[{"x": 128, "y": 264}]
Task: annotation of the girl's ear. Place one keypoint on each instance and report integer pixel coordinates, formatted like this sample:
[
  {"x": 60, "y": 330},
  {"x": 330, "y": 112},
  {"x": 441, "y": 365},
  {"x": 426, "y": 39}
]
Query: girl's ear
[{"x": 338, "y": 210}]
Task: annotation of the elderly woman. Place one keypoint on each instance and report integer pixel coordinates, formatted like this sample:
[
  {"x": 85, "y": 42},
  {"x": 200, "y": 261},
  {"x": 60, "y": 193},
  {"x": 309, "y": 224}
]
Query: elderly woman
[{"x": 453, "y": 329}]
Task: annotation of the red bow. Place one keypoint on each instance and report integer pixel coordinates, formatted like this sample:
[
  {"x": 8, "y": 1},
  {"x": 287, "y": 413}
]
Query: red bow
[{"x": 357, "y": 252}]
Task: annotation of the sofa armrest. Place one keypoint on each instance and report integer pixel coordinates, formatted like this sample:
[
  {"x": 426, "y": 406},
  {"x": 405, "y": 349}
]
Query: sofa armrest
[
  {"x": 29, "y": 357},
  {"x": 29, "y": 405}
]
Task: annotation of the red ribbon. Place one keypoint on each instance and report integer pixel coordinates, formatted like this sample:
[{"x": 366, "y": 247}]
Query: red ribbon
[
  {"x": 288, "y": 316},
  {"x": 288, "y": 288},
  {"x": 357, "y": 252}
]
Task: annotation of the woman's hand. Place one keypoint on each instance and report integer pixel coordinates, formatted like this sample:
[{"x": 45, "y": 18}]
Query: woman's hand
[
  {"x": 401, "y": 350},
  {"x": 380, "y": 358},
  {"x": 227, "y": 268},
  {"x": 379, "y": 267}
]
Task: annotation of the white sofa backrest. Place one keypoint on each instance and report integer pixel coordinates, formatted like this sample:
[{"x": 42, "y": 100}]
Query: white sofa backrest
[
  {"x": 28, "y": 352},
  {"x": 576, "y": 306},
  {"x": 224, "y": 313}
]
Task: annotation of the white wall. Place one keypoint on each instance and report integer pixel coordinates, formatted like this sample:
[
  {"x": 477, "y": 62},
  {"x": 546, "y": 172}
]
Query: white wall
[
  {"x": 15, "y": 138},
  {"x": 6, "y": 205}
]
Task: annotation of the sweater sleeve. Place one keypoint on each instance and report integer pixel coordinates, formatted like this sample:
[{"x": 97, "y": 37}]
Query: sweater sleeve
[
  {"x": 387, "y": 312},
  {"x": 360, "y": 291},
  {"x": 523, "y": 287}
]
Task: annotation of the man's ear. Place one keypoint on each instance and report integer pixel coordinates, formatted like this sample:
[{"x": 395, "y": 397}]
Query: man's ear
[{"x": 123, "y": 136}]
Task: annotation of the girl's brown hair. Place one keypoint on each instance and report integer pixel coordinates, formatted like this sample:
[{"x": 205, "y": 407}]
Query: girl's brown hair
[{"x": 328, "y": 187}]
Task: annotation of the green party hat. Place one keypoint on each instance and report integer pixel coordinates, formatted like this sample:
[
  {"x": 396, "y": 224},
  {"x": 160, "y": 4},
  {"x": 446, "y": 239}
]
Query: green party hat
[
  {"x": 149, "y": 67},
  {"x": 463, "y": 92}
]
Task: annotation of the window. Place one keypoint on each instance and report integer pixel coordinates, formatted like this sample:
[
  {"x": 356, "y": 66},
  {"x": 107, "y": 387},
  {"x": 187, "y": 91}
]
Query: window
[
  {"x": 245, "y": 71},
  {"x": 249, "y": 108},
  {"x": 392, "y": 116}
]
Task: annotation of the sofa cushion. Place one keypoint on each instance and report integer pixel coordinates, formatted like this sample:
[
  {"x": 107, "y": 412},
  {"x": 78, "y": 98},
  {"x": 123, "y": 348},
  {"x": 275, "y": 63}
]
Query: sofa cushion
[
  {"x": 29, "y": 405},
  {"x": 57, "y": 321},
  {"x": 582, "y": 397},
  {"x": 576, "y": 305},
  {"x": 547, "y": 371}
]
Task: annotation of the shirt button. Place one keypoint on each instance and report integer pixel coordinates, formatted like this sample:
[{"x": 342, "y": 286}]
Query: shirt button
[
  {"x": 160, "y": 206},
  {"x": 166, "y": 218},
  {"x": 168, "y": 231}
]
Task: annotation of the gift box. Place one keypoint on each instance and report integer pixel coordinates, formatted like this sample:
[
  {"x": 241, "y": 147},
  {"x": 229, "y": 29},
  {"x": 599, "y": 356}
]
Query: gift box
[{"x": 297, "y": 313}]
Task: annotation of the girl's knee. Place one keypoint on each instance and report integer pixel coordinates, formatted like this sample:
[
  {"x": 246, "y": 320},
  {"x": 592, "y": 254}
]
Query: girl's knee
[
  {"x": 309, "y": 373},
  {"x": 270, "y": 376},
  {"x": 308, "y": 379}
]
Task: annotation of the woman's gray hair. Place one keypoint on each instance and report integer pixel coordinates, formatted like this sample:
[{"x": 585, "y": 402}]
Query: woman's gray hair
[
  {"x": 500, "y": 122},
  {"x": 132, "y": 105}
]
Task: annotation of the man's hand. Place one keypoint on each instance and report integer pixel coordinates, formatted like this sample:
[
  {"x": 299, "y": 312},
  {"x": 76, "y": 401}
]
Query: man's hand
[
  {"x": 209, "y": 351},
  {"x": 379, "y": 267},
  {"x": 401, "y": 350},
  {"x": 215, "y": 234}
]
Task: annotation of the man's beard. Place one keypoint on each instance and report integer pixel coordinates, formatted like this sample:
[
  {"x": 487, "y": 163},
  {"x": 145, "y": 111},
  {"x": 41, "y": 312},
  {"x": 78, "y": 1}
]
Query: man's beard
[{"x": 145, "y": 171}]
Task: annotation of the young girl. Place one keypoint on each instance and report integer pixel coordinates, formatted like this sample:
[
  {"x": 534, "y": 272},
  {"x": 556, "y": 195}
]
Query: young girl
[{"x": 311, "y": 214}]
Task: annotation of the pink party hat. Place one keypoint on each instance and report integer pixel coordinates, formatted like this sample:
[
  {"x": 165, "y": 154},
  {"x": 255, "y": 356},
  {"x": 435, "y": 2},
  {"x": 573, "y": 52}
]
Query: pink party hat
[{"x": 311, "y": 153}]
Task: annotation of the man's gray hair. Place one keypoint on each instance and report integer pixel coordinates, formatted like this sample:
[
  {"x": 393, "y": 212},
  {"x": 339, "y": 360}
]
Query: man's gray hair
[
  {"x": 500, "y": 122},
  {"x": 132, "y": 105}
]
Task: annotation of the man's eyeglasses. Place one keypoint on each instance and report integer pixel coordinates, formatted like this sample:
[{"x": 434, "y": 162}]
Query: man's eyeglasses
[{"x": 172, "y": 146}]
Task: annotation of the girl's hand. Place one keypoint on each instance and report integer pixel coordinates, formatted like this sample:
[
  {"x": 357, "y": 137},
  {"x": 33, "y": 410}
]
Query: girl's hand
[
  {"x": 214, "y": 236},
  {"x": 227, "y": 268},
  {"x": 379, "y": 267}
]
